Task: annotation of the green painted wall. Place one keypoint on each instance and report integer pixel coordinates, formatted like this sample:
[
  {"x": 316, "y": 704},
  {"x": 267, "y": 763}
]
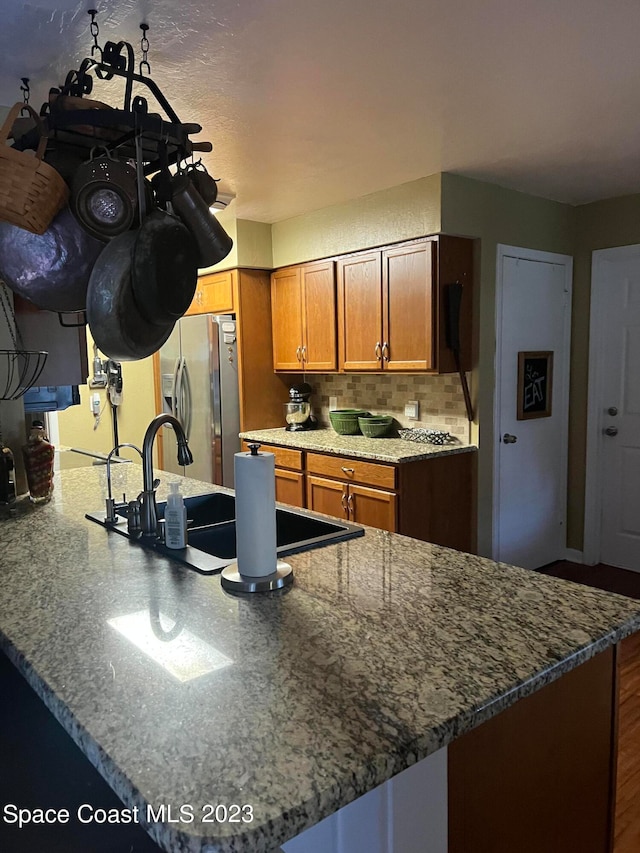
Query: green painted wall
[
  {"x": 400, "y": 213},
  {"x": 497, "y": 215}
]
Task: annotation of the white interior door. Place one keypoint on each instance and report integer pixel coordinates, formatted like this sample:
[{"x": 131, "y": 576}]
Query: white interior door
[
  {"x": 615, "y": 409},
  {"x": 533, "y": 300}
]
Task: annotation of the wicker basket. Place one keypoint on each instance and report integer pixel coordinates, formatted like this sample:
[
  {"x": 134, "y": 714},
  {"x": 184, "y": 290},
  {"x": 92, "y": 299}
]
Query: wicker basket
[{"x": 31, "y": 191}]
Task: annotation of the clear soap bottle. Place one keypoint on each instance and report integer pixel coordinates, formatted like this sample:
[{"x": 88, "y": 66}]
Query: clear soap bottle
[{"x": 175, "y": 519}]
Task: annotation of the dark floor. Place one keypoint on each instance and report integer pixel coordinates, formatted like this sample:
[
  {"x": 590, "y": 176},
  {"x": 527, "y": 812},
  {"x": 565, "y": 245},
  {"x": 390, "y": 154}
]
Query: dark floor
[
  {"x": 41, "y": 767},
  {"x": 604, "y": 577}
]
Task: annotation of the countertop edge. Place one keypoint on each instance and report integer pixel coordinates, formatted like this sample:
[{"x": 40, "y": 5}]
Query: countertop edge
[{"x": 280, "y": 438}]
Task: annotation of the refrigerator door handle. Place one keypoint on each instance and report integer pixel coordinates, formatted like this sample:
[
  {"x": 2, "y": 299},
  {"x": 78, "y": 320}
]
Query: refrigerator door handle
[
  {"x": 174, "y": 389},
  {"x": 179, "y": 391},
  {"x": 187, "y": 399}
]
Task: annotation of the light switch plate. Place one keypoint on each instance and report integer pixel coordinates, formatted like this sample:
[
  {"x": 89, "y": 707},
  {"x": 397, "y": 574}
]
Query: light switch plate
[{"x": 412, "y": 410}]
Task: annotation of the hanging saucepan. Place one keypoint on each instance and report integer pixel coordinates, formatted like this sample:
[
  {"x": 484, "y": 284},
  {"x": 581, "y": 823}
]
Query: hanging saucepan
[
  {"x": 52, "y": 269},
  {"x": 129, "y": 324},
  {"x": 212, "y": 240},
  {"x": 104, "y": 195}
]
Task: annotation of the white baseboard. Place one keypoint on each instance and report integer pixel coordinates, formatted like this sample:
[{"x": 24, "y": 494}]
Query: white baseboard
[{"x": 574, "y": 556}]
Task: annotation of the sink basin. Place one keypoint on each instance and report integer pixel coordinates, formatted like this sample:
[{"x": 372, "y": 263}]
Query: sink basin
[
  {"x": 212, "y": 532},
  {"x": 294, "y": 532}
]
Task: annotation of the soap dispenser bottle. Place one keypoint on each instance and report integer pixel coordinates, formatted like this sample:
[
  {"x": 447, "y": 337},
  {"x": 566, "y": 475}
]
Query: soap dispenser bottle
[{"x": 175, "y": 519}]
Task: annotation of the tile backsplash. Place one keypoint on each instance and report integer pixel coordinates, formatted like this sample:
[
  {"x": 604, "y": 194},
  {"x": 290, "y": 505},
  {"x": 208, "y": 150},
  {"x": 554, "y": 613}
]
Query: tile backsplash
[{"x": 440, "y": 397}]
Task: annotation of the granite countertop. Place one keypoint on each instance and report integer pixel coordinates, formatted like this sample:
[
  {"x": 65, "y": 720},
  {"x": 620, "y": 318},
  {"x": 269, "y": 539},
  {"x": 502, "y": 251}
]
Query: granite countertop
[
  {"x": 384, "y": 650},
  {"x": 394, "y": 450}
]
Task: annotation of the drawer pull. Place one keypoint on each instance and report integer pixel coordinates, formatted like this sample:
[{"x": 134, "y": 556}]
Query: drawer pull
[
  {"x": 348, "y": 470},
  {"x": 378, "y": 352},
  {"x": 299, "y": 353},
  {"x": 350, "y": 505},
  {"x": 343, "y": 501},
  {"x": 385, "y": 351}
]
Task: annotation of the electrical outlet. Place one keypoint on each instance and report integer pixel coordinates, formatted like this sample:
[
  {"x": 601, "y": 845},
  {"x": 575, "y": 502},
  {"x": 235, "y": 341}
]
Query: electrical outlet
[
  {"x": 412, "y": 410},
  {"x": 333, "y": 404}
]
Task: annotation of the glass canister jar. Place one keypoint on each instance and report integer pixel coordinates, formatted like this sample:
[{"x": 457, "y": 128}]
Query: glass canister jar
[{"x": 38, "y": 454}]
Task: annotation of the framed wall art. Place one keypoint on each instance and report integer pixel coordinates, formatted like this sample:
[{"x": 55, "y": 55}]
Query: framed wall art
[{"x": 535, "y": 384}]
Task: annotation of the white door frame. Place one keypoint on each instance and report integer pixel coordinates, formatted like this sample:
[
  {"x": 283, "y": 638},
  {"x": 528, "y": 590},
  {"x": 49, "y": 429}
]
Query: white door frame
[
  {"x": 593, "y": 479},
  {"x": 561, "y": 407}
]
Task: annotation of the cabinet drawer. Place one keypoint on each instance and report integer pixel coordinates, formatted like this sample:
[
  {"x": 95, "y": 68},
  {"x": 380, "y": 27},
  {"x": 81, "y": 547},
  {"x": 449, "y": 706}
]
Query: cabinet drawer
[
  {"x": 352, "y": 470},
  {"x": 285, "y": 456}
]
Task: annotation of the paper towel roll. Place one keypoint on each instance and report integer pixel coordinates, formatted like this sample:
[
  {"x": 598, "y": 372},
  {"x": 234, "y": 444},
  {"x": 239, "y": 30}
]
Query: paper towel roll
[{"x": 255, "y": 485}]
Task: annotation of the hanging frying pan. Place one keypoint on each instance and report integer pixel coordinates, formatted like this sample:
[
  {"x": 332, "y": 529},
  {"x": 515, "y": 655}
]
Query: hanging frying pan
[
  {"x": 164, "y": 272},
  {"x": 142, "y": 282},
  {"x": 51, "y": 270}
]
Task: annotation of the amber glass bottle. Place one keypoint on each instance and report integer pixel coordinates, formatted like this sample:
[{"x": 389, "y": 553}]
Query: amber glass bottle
[{"x": 38, "y": 454}]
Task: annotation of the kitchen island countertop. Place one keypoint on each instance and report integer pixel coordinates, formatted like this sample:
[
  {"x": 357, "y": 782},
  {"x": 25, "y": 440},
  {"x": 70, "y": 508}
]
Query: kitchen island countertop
[
  {"x": 326, "y": 440},
  {"x": 383, "y": 651}
]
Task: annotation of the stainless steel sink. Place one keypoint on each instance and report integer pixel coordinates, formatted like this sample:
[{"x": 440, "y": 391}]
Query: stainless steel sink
[{"x": 212, "y": 532}]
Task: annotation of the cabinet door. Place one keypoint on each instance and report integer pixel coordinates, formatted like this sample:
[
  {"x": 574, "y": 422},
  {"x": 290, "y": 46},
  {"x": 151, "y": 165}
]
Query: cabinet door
[
  {"x": 286, "y": 319},
  {"x": 328, "y": 496},
  {"x": 407, "y": 290},
  {"x": 360, "y": 312},
  {"x": 290, "y": 487},
  {"x": 372, "y": 506},
  {"x": 319, "y": 316},
  {"x": 217, "y": 293},
  {"x": 214, "y": 294}
]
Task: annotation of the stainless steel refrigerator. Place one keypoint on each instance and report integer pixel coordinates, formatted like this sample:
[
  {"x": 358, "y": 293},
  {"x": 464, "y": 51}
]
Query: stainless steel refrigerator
[{"x": 199, "y": 370}]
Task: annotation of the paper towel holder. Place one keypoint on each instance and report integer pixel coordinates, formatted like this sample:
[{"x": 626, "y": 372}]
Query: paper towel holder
[{"x": 233, "y": 581}]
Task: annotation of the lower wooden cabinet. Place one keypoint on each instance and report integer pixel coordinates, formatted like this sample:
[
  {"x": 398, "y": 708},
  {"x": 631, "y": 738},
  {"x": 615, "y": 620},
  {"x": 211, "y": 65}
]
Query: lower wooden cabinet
[
  {"x": 430, "y": 499},
  {"x": 360, "y": 504},
  {"x": 539, "y": 777},
  {"x": 290, "y": 487},
  {"x": 289, "y": 474}
]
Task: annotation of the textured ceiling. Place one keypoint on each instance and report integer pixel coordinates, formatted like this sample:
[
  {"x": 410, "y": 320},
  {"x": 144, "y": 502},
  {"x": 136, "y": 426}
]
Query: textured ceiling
[{"x": 310, "y": 104}]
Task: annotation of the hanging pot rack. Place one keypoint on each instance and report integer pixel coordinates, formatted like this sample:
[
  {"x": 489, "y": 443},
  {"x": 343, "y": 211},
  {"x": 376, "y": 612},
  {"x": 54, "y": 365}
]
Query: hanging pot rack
[{"x": 122, "y": 125}]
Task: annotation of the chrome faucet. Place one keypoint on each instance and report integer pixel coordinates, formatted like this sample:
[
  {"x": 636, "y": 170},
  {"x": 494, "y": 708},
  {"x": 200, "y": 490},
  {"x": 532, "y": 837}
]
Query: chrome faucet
[
  {"x": 111, "y": 503},
  {"x": 148, "y": 513}
]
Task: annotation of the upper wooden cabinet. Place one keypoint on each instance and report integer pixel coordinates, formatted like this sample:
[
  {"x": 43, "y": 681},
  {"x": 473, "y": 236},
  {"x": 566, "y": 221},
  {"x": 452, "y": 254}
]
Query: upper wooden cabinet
[
  {"x": 303, "y": 306},
  {"x": 214, "y": 294},
  {"x": 392, "y": 306}
]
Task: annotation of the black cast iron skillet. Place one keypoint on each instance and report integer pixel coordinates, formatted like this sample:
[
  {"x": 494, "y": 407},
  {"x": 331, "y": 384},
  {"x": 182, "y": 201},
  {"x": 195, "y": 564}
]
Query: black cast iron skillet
[{"x": 140, "y": 285}]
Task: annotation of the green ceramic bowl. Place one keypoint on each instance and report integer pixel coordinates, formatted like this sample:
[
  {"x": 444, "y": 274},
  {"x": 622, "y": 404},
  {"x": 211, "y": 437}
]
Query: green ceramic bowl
[
  {"x": 375, "y": 426},
  {"x": 345, "y": 421}
]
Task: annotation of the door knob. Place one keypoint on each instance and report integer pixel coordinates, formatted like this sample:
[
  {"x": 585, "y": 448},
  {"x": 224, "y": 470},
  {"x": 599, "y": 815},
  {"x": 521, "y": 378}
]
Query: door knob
[
  {"x": 509, "y": 439},
  {"x": 611, "y": 431},
  {"x": 612, "y": 411}
]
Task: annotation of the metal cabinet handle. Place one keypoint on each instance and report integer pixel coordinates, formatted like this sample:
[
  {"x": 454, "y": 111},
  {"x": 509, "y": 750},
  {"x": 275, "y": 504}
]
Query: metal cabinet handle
[
  {"x": 377, "y": 351},
  {"x": 385, "y": 351},
  {"x": 348, "y": 470},
  {"x": 350, "y": 509},
  {"x": 299, "y": 353},
  {"x": 304, "y": 353},
  {"x": 611, "y": 431},
  {"x": 343, "y": 501},
  {"x": 509, "y": 439}
]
